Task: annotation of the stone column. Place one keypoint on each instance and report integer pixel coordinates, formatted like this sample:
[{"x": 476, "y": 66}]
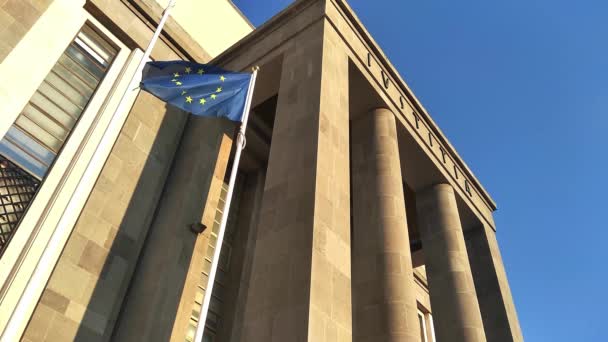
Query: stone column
[
  {"x": 383, "y": 283},
  {"x": 299, "y": 288},
  {"x": 453, "y": 298},
  {"x": 495, "y": 300}
]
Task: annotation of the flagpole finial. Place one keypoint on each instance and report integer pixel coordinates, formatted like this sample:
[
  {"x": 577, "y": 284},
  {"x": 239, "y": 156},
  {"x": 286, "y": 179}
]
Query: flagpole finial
[
  {"x": 170, "y": 5},
  {"x": 255, "y": 68}
]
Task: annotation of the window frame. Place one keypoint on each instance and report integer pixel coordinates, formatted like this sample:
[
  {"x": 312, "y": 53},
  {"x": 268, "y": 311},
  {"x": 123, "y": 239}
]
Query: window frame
[
  {"x": 422, "y": 320},
  {"x": 56, "y": 176},
  {"x": 68, "y": 183},
  {"x": 22, "y": 153},
  {"x": 428, "y": 327}
]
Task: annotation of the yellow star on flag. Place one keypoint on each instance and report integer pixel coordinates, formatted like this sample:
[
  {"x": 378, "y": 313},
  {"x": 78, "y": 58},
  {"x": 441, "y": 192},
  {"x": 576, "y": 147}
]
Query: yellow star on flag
[
  {"x": 188, "y": 69},
  {"x": 176, "y": 74},
  {"x": 213, "y": 96},
  {"x": 174, "y": 80},
  {"x": 222, "y": 78},
  {"x": 188, "y": 99},
  {"x": 218, "y": 90},
  {"x": 202, "y": 101},
  {"x": 178, "y": 83},
  {"x": 200, "y": 71},
  {"x": 184, "y": 93}
]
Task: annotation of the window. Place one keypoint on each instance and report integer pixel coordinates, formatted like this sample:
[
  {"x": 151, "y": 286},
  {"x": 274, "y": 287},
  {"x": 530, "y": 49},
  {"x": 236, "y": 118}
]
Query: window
[
  {"x": 30, "y": 146},
  {"x": 427, "y": 331},
  {"x": 219, "y": 288}
]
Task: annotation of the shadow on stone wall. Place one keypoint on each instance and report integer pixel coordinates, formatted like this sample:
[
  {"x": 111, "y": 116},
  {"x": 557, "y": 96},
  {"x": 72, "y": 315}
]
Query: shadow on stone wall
[{"x": 142, "y": 273}]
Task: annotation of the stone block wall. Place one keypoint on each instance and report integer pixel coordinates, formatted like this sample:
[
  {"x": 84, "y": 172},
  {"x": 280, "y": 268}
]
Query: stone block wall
[
  {"x": 172, "y": 252},
  {"x": 85, "y": 294},
  {"x": 196, "y": 247},
  {"x": 300, "y": 280},
  {"x": 86, "y": 290},
  {"x": 16, "y": 18}
]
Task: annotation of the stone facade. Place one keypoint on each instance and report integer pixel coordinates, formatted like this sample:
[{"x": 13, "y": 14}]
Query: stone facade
[
  {"x": 88, "y": 285},
  {"x": 356, "y": 219},
  {"x": 16, "y": 18}
]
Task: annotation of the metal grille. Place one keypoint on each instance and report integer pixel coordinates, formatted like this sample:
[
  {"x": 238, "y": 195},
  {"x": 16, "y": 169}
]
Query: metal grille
[{"x": 17, "y": 188}]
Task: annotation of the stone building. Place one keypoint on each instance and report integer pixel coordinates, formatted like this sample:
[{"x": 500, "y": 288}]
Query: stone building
[{"x": 354, "y": 219}]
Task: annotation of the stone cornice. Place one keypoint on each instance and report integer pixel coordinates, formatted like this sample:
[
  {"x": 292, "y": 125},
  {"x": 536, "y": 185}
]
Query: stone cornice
[
  {"x": 399, "y": 82},
  {"x": 173, "y": 31},
  {"x": 390, "y": 82},
  {"x": 150, "y": 12},
  {"x": 238, "y": 10},
  {"x": 270, "y": 25},
  {"x": 392, "y": 76}
]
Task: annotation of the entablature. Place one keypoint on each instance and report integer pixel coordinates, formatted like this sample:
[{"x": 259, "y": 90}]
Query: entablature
[
  {"x": 407, "y": 107},
  {"x": 362, "y": 49}
]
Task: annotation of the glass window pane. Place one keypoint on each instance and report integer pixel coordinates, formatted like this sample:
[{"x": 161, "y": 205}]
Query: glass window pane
[
  {"x": 196, "y": 310},
  {"x": 87, "y": 61},
  {"x": 26, "y": 162},
  {"x": 52, "y": 110},
  {"x": 218, "y": 212},
  {"x": 190, "y": 332},
  {"x": 221, "y": 204},
  {"x": 55, "y": 128},
  {"x": 212, "y": 240},
  {"x": 204, "y": 280},
  {"x": 60, "y": 100},
  {"x": 210, "y": 251},
  {"x": 216, "y": 227},
  {"x": 70, "y": 77},
  {"x": 97, "y": 43},
  {"x": 206, "y": 266},
  {"x": 43, "y": 137},
  {"x": 78, "y": 71},
  {"x": 30, "y": 146},
  {"x": 198, "y": 297},
  {"x": 75, "y": 96}
]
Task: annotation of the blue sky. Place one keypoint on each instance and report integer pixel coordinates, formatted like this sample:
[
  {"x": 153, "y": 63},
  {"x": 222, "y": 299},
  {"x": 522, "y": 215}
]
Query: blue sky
[{"x": 520, "y": 87}]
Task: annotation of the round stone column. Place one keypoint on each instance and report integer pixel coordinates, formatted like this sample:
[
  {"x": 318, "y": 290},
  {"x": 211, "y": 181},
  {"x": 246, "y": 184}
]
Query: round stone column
[
  {"x": 454, "y": 302},
  {"x": 383, "y": 284}
]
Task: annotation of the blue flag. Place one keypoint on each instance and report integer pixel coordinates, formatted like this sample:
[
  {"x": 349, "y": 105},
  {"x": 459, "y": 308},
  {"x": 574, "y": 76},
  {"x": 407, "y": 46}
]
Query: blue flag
[{"x": 200, "y": 89}]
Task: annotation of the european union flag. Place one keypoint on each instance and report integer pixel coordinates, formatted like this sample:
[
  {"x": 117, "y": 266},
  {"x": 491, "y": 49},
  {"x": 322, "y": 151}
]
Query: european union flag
[{"x": 200, "y": 89}]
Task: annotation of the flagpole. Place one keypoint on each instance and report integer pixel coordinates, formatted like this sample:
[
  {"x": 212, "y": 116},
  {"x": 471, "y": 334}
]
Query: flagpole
[
  {"x": 12, "y": 330},
  {"x": 240, "y": 145}
]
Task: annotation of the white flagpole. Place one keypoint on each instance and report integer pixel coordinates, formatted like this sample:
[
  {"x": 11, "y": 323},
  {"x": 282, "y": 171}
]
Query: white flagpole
[
  {"x": 240, "y": 145},
  {"x": 12, "y": 330}
]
